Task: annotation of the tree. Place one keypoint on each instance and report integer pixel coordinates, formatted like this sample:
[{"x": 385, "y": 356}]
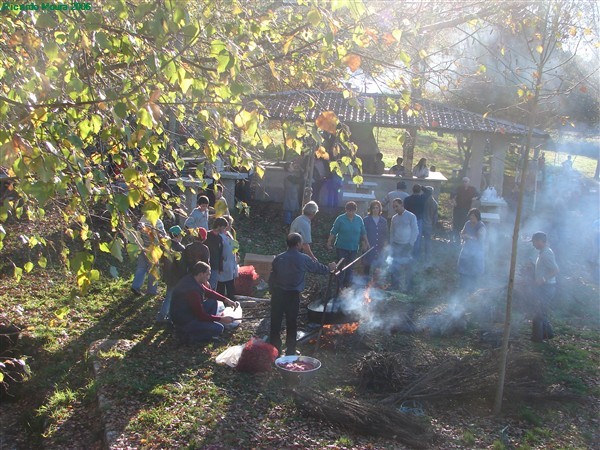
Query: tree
[
  {"x": 545, "y": 28},
  {"x": 83, "y": 90}
]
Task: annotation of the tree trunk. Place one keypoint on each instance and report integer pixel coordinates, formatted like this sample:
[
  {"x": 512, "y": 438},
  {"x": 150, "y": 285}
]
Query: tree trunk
[{"x": 408, "y": 149}]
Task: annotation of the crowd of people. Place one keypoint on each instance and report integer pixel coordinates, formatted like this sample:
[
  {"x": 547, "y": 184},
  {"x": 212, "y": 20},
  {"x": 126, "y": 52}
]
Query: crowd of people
[{"x": 201, "y": 259}]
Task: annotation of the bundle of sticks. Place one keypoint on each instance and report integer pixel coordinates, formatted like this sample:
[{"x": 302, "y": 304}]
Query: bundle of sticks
[
  {"x": 365, "y": 417},
  {"x": 476, "y": 376},
  {"x": 385, "y": 371}
]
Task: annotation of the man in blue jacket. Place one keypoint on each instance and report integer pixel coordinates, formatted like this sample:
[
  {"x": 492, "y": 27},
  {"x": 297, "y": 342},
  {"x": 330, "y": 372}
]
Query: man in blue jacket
[{"x": 286, "y": 282}]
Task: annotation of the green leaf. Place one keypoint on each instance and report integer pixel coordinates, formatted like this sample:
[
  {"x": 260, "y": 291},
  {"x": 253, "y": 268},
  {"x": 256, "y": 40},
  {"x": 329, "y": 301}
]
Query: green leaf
[
  {"x": 51, "y": 50},
  {"x": 370, "y": 106},
  {"x": 144, "y": 118},
  {"x": 404, "y": 57},
  {"x": 28, "y": 266},
  {"x": 45, "y": 20},
  {"x": 314, "y": 17},
  {"x": 114, "y": 272},
  {"x": 130, "y": 174},
  {"x": 42, "y": 262},
  {"x": 61, "y": 313},
  {"x": 116, "y": 249},
  {"x": 121, "y": 110},
  {"x": 223, "y": 61},
  {"x": 152, "y": 210},
  {"x": 18, "y": 273},
  {"x": 142, "y": 10},
  {"x": 104, "y": 247},
  {"x": 103, "y": 41}
]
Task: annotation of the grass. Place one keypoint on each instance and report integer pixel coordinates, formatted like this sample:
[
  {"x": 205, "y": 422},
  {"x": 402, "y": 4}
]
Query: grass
[{"x": 176, "y": 397}]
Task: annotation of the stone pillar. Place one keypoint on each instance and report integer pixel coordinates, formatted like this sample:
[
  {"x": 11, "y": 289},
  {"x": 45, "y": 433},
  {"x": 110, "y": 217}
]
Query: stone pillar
[
  {"x": 476, "y": 161},
  {"x": 500, "y": 145}
]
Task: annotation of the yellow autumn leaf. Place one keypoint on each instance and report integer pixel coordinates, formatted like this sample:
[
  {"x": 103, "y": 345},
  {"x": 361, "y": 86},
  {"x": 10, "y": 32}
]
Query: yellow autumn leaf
[
  {"x": 322, "y": 153},
  {"x": 327, "y": 121},
  {"x": 352, "y": 61},
  {"x": 539, "y": 49}
]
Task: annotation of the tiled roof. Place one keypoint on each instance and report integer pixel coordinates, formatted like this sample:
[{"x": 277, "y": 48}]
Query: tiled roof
[{"x": 423, "y": 114}]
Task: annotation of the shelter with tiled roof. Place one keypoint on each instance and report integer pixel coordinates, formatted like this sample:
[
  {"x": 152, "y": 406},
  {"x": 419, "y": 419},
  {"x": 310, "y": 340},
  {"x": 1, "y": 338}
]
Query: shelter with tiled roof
[{"x": 397, "y": 111}]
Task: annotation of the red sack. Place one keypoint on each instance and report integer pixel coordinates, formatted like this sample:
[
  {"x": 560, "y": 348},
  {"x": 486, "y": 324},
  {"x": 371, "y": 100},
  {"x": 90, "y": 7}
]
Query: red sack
[
  {"x": 246, "y": 280},
  {"x": 257, "y": 356}
]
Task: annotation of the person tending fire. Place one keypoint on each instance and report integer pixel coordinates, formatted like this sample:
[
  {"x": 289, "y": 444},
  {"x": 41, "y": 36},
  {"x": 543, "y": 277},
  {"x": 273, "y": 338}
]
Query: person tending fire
[{"x": 285, "y": 283}]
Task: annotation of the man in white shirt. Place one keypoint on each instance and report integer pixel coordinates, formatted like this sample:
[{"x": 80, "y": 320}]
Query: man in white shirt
[
  {"x": 302, "y": 226},
  {"x": 400, "y": 193},
  {"x": 403, "y": 235}
]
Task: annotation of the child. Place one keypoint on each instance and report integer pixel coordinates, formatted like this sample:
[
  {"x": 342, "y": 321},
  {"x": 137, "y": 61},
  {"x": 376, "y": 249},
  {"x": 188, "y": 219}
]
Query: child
[
  {"x": 221, "y": 207},
  {"x": 199, "y": 216}
]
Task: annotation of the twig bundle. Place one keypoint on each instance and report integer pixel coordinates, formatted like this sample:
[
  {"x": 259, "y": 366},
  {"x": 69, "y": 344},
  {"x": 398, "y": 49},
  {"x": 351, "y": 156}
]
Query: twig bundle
[
  {"x": 383, "y": 372},
  {"x": 476, "y": 376},
  {"x": 364, "y": 417}
]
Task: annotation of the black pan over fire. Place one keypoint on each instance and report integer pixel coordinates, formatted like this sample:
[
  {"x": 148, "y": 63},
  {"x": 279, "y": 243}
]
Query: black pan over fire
[{"x": 334, "y": 313}]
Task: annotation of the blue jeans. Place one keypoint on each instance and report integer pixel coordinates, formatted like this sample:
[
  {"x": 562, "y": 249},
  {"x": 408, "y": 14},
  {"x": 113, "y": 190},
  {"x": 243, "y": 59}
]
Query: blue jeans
[
  {"x": 163, "y": 314},
  {"x": 143, "y": 269},
  {"x": 401, "y": 271},
  {"x": 213, "y": 280},
  {"x": 197, "y": 331},
  {"x": 426, "y": 242},
  {"x": 288, "y": 216}
]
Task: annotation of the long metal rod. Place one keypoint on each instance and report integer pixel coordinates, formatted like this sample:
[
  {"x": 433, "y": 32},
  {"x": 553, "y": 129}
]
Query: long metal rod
[
  {"x": 353, "y": 262},
  {"x": 332, "y": 275}
]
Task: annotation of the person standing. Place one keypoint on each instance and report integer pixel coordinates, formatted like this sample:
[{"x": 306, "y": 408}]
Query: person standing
[
  {"x": 214, "y": 242},
  {"x": 430, "y": 218},
  {"x": 199, "y": 216},
  {"x": 415, "y": 203},
  {"x": 471, "y": 261},
  {"x": 151, "y": 236},
  {"x": 226, "y": 277},
  {"x": 348, "y": 231},
  {"x": 462, "y": 198},
  {"x": 545, "y": 273},
  {"x": 377, "y": 234},
  {"x": 173, "y": 270},
  {"x": 291, "y": 192},
  {"x": 196, "y": 250},
  {"x": 221, "y": 206},
  {"x": 286, "y": 282},
  {"x": 400, "y": 193},
  {"x": 302, "y": 226},
  {"x": 403, "y": 235},
  {"x": 194, "y": 307}
]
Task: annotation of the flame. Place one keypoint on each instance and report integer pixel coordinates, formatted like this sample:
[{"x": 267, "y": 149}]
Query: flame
[
  {"x": 345, "y": 328},
  {"x": 368, "y": 299}
]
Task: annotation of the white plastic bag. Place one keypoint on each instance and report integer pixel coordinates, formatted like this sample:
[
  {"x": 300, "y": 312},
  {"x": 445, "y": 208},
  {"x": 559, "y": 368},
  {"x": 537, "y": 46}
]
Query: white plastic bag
[
  {"x": 230, "y": 356},
  {"x": 236, "y": 313}
]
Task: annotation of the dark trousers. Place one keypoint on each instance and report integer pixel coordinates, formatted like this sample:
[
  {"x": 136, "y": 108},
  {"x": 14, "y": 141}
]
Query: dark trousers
[
  {"x": 227, "y": 288},
  {"x": 288, "y": 303},
  {"x": 541, "y": 328},
  {"x": 345, "y": 278}
]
